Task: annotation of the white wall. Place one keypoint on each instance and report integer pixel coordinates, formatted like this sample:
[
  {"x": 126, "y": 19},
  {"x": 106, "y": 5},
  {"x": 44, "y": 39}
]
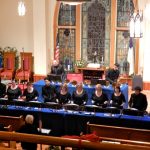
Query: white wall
[
  {"x": 34, "y": 31},
  {"x": 144, "y": 48},
  {"x": 16, "y": 31}
]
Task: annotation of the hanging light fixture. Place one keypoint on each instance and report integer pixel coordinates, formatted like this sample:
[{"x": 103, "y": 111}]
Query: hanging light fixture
[
  {"x": 21, "y": 8},
  {"x": 136, "y": 20},
  {"x": 73, "y": 2}
]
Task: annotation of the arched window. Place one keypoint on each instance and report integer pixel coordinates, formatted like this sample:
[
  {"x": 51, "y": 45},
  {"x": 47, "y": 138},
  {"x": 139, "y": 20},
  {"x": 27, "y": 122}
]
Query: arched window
[
  {"x": 96, "y": 31},
  {"x": 124, "y": 9},
  {"x": 66, "y": 34}
]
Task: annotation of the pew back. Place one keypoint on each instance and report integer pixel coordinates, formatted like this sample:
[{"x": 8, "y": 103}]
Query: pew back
[
  {"x": 119, "y": 132},
  {"x": 15, "y": 122}
]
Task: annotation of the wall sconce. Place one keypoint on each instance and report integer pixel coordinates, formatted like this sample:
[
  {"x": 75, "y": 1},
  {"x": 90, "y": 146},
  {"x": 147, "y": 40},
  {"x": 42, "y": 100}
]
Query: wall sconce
[{"x": 21, "y": 8}]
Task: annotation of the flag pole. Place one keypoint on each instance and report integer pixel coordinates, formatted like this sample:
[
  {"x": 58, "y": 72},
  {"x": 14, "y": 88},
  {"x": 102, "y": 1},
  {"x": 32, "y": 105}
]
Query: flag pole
[{"x": 23, "y": 67}]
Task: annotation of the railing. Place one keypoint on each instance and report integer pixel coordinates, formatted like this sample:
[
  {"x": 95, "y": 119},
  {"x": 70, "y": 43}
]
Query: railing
[{"x": 60, "y": 141}]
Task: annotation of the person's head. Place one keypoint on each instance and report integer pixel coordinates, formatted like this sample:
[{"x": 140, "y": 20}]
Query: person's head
[
  {"x": 117, "y": 89},
  {"x": 47, "y": 81},
  {"x": 29, "y": 86},
  {"x": 55, "y": 62},
  {"x": 137, "y": 90},
  {"x": 13, "y": 83},
  {"x": 29, "y": 119},
  {"x": 98, "y": 87},
  {"x": 116, "y": 66},
  {"x": 79, "y": 87},
  {"x": 64, "y": 87}
]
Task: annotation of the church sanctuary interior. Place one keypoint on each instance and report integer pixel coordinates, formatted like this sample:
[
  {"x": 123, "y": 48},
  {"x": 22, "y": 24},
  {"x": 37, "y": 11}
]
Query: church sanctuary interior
[{"x": 74, "y": 74}]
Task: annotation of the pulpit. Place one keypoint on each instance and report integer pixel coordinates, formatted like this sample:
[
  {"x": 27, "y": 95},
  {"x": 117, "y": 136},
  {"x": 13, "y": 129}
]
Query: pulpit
[
  {"x": 7, "y": 72},
  {"x": 25, "y": 72}
]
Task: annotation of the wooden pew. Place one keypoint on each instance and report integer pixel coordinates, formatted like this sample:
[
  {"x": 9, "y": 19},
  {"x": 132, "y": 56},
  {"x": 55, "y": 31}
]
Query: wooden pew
[
  {"x": 60, "y": 141},
  {"x": 119, "y": 132},
  {"x": 8, "y": 128},
  {"x": 15, "y": 122}
]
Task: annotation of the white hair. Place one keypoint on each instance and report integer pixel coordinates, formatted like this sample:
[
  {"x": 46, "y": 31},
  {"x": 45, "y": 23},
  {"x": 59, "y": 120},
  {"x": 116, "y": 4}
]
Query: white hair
[{"x": 29, "y": 119}]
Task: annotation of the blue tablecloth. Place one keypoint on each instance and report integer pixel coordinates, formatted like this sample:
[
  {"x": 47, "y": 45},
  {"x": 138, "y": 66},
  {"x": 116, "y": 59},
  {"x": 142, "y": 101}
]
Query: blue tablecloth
[
  {"x": 89, "y": 89},
  {"x": 72, "y": 123}
]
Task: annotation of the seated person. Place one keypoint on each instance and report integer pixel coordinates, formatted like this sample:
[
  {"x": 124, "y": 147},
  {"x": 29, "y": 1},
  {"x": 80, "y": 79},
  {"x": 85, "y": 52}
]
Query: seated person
[
  {"x": 98, "y": 97},
  {"x": 117, "y": 99},
  {"x": 64, "y": 96},
  {"x": 113, "y": 74},
  {"x": 30, "y": 93},
  {"x": 57, "y": 68},
  {"x": 138, "y": 100},
  {"x": 48, "y": 92},
  {"x": 2, "y": 89},
  {"x": 79, "y": 96},
  {"x": 28, "y": 128},
  {"x": 13, "y": 91}
]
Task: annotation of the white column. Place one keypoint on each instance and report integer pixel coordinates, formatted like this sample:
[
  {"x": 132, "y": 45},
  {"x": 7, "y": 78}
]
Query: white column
[
  {"x": 43, "y": 20},
  {"x": 50, "y": 10},
  {"x": 39, "y": 37}
]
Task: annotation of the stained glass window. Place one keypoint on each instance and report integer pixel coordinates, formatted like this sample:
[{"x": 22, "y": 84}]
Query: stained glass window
[
  {"x": 124, "y": 9},
  {"x": 96, "y": 31},
  {"x": 67, "y": 48},
  {"x": 67, "y": 15},
  {"x": 122, "y": 47}
]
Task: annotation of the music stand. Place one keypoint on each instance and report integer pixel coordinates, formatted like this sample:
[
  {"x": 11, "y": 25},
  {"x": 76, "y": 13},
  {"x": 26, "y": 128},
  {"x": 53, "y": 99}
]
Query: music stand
[
  {"x": 133, "y": 112},
  {"x": 74, "y": 107},
  {"x": 112, "y": 110},
  {"x": 17, "y": 102},
  {"x": 53, "y": 77},
  {"x": 4, "y": 101},
  {"x": 90, "y": 108},
  {"x": 98, "y": 81},
  {"x": 53, "y": 105}
]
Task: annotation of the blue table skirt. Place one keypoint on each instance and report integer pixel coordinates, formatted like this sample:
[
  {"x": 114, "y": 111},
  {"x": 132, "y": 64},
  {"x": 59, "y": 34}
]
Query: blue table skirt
[
  {"x": 72, "y": 123},
  {"x": 89, "y": 89}
]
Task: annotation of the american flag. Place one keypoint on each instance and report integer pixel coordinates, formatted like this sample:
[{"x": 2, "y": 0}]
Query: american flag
[{"x": 57, "y": 48}]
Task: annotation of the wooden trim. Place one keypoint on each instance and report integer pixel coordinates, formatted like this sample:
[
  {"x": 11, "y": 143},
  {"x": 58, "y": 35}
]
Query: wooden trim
[
  {"x": 136, "y": 44},
  {"x": 78, "y": 33},
  {"x": 113, "y": 32},
  {"x": 136, "y": 56}
]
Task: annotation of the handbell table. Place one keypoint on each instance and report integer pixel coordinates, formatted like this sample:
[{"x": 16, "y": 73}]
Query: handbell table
[{"x": 62, "y": 122}]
